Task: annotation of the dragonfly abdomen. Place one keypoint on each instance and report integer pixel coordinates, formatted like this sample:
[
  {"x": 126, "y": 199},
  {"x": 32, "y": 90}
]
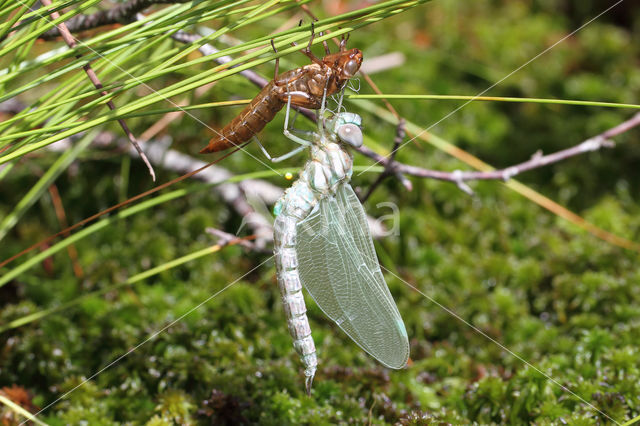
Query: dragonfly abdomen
[{"x": 291, "y": 288}]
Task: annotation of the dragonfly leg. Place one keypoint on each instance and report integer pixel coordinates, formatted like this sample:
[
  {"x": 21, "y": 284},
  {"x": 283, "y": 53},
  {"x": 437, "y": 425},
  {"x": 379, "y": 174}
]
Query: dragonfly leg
[
  {"x": 287, "y": 133},
  {"x": 293, "y": 122},
  {"x": 293, "y": 129},
  {"x": 275, "y": 74},
  {"x": 323, "y": 107},
  {"x": 262, "y": 148},
  {"x": 297, "y": 139},
  {"x": 351, "y": 86},
  {"x": 327, "y": 51},
  {"x": 340, "y": 101},
  {"x": 280, "y": 158},
  {"x": 307, "y": 50},
  {"x": 343, "y": 42},
  {"x": 288, "y": 154}
]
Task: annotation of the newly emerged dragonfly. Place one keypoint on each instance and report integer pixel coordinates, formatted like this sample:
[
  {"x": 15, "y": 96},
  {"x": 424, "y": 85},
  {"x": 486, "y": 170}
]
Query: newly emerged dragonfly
[{"x": 322, "y": 242}]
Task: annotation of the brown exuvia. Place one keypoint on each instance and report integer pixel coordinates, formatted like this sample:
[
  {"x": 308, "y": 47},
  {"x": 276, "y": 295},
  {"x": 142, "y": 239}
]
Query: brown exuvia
[{"x": 306, "y": 86}]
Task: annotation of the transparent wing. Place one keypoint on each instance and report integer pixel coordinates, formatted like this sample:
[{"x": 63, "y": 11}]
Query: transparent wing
[{"x": 339, "y": 267}]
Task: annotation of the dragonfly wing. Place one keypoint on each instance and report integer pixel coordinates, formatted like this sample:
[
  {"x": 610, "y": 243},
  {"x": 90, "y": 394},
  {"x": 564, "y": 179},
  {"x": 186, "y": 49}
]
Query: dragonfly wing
[{"x": 339, "y": 267}]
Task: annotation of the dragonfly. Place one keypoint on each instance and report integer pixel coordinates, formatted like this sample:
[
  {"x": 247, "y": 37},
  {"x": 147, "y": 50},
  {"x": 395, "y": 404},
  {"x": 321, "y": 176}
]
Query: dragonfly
[{"x": 322, "y": 242}]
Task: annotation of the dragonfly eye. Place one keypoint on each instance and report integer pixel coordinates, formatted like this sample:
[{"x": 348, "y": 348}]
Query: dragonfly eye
[
  {"x": 351, "y": 67},
  {"x": 350, "y": 134}
]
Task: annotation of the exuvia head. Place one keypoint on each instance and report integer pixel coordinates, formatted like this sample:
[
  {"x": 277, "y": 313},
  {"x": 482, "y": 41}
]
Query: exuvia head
[
  {"x": 345, "y": 64},
  {"x": 347, "y": 126}
]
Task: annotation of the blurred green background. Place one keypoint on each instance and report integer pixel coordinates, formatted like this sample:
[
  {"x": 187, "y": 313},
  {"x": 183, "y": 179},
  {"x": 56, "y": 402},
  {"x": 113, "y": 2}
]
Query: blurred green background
[{"x": 562, "y": 299}]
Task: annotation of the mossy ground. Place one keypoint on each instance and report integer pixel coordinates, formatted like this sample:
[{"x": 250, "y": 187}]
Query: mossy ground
[{"x": 564, "y": 301}]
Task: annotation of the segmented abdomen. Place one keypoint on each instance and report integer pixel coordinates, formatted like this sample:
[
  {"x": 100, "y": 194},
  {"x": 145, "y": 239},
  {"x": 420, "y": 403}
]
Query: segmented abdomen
[
  {"x": 291, "y": 291},
  {"x": 293, "y": 207},
  {"x": 250, "y": 121}
]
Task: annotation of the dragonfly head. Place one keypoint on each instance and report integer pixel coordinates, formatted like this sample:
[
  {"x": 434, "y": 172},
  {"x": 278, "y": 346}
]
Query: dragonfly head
[{"x": 347, "y": 126}]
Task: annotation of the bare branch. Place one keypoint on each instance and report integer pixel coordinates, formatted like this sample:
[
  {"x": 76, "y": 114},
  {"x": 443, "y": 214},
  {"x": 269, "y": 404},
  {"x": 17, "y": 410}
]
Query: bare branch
[
  {"x": 122, "y": 13},
  {"x": 224, "y": 238},
  {"x": 68, "y": 38},
  {"x": 11, "y": 106},
  {"x": 389, "y": 167},
  {"x": 537, "y": 160},
  {"x": 382, "y": 63}
]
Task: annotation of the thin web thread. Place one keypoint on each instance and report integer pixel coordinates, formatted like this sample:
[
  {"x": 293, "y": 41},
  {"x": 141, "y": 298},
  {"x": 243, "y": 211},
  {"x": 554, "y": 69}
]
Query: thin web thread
[{"x": 496, "y": 83}]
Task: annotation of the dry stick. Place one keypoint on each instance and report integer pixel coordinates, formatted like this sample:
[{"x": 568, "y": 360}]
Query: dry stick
[
  {"x": 388, "y": 167},
  {"x": 234, "y": 194},
  {"x": 225, "y": 238},
  {"x": 122, "y": 13},
  {"x": 537, "y": 160},
  {"x": 11, "y": 106},
  {"x": 68, "y": 38}
]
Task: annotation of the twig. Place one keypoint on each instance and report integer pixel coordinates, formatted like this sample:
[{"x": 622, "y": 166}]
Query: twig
[
  {"x": 536, "y": 161},
  {"x": 224, "y": 239},
  {"x": 172, "y": 160},
  {"x": 232, "y": 193},
  {"x": 68, "y": 38},
  {"x": 116, "y": 207},
  {"x": 389, "y": 166},
  {"x": 11, "y": 106},
  {"x": 235, "y": 194},
  {"x": 207, "y": 49},
  {"x": 458, "y": 177},
  {"x": 122, "y": 13}
]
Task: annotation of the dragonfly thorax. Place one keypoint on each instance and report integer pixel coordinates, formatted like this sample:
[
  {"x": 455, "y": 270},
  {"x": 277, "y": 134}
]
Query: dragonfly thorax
[{"x": 330, "y": 165}]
